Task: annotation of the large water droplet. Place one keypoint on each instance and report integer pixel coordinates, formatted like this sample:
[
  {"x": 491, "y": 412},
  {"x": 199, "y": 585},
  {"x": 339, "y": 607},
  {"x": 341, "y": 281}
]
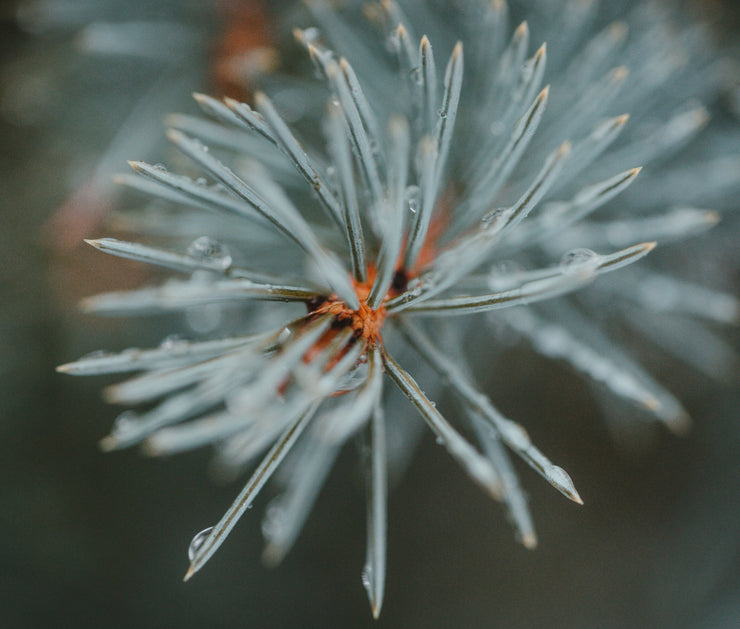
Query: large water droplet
[
  {"x": 579, "y": 260},
  {"x": 210, "y": 251},
  {"x": 197, "y": 542}
]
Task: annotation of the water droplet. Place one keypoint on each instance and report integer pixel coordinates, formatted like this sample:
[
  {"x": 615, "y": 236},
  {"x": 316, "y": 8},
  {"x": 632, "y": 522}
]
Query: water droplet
[
  {"x": 125, "y": 422},
  {"x": 504, "y": 275},
  {"x": 367, "y": 577},
  {"x": 274, "y": 522},
  {"x": 331, "y": 176},
  {"x": 516, "y": 435},
  {"x": 392, "y": 44},
  {"x": 559, "y": 478},
  {"x": 527, "y": 72},
  {"x": 201, "y": 181},
  {"x": 413, "y": 196},
  {"x": 497, "y": 127},
  {"x": 98, "y": 353},
  {"x": 197, "y": 542},
  {"x": 318, "y": 73},
  {"x": 494, "y": 216},
  {"x": 506, "y": 267},
  {"x": 204, "y": 319},
  {"x": 199, "y": 276},
  {"x": 172, "y": 341},
  {"x": 415, "y": 75},
  {"x": 211, "y": 251},
  {"x": 160, "y": 167},
  {"x": 442, "y": 113},
  {"x": 579, "y": 260},
  {"x": 311, "y": 34},
  {"x": 356, "y": 377}
]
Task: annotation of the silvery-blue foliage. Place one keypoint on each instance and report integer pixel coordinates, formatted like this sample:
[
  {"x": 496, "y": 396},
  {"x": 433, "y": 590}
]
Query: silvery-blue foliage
[{"x": 450, "y": 164}]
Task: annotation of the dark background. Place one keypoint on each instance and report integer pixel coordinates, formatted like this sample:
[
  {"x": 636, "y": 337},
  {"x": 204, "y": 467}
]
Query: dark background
[{"x": 88, "y": 539}]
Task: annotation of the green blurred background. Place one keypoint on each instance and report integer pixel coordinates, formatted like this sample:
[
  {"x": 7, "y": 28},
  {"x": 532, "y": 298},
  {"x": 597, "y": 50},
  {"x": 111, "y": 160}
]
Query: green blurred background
[{"x": 89, "y": 540}]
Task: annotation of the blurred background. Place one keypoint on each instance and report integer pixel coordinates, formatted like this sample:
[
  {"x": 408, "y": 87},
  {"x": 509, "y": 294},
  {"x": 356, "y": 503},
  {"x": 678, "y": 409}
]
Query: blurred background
[{"x": 88, "y": 539}]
